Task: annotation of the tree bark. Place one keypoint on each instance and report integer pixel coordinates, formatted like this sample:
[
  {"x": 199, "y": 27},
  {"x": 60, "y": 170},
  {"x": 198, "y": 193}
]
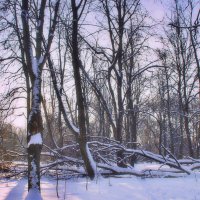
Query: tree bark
[{"x": 76, "y": 62}]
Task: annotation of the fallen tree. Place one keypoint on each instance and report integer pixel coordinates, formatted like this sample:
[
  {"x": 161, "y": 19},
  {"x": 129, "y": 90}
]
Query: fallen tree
[{"x": 104, "y": 155}]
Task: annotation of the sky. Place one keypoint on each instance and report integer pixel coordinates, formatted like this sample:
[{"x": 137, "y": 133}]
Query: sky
[{"x": 155, "y": 8}]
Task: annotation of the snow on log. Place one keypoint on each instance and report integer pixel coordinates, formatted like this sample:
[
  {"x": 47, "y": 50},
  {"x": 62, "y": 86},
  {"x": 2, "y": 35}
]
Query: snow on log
[{"x": 92, "y": 162}]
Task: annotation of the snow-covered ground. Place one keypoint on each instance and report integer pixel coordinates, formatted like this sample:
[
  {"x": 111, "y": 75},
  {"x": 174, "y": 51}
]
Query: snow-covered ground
[
  {"x": 123, "y": 188},
  {"x": 126, "y": 188}
]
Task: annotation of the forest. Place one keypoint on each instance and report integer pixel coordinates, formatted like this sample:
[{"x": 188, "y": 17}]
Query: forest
[{"x": 95, "y": 88}]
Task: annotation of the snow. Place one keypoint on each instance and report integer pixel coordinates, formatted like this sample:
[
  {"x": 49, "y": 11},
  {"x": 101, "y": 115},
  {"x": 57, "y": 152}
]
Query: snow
[
  {"x": 35, "y": 66},
  {"x": 92, "y": 162},
  {"x": 41, "y": 60},
  {"x": 33, "y": 194},
  {"x": 35, "y": 139},
  {"x": 125, "y": 187},
  {"x": 36, "y": 90},
  {"x": 36, "y": 96},
  {"x": 34, "y": 63},
  {"x": 76, "y": 130}
]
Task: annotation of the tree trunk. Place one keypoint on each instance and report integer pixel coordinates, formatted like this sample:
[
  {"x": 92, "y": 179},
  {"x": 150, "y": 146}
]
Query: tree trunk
[
  {"x": 35, "y": 126},
  {"x": 76, "y": 62},
  {"x": 34, "y": 67}
]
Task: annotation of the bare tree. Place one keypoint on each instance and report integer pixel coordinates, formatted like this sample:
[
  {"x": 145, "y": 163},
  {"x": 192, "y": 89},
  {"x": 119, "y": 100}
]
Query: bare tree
[{"x": 34, "y": 64}]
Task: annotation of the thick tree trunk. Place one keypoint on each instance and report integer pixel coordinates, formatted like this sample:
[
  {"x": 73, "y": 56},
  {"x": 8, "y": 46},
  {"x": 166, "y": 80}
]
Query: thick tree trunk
[
  {"x": 181, "y": 128},
  {"x": 76, "y": 62},
  {"x": 34, "y": 66},
  {"x": 169, "y": 113},
  {"x": 35, "y": 133},
  {"x": 194, "y": 46},
  {"x": 35, "y": 126},
  {"x": 61, "y": 138},
  {"x": 188, "y": 134}
]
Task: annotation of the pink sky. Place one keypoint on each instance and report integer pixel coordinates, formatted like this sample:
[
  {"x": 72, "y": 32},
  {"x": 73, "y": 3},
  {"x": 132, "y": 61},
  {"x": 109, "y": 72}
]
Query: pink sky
[{"x": 155, "y": 8}]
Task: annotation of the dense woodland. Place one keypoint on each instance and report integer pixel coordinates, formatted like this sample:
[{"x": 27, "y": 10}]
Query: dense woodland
[{"x": 102, "y": 85}]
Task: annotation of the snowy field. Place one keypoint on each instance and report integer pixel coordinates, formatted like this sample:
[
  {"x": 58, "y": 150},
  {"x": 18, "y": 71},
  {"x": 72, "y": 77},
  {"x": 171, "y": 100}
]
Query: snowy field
[
  {"x": 123, "y": 188},
  {"x": 126, "y": 188}
]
